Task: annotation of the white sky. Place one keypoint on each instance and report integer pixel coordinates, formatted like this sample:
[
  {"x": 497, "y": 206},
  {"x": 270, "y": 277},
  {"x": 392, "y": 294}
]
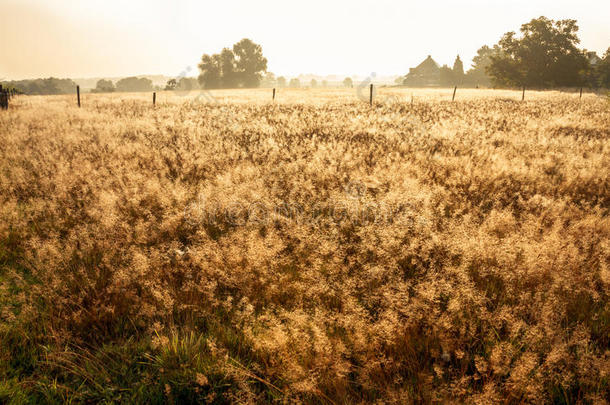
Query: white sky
[{"x": 92, "y": 38}]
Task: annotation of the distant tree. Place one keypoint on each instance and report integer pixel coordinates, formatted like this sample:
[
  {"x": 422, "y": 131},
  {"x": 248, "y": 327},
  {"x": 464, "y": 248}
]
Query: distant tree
[
  {"x": 187, "y": 84},
  {"x": 242, "y": 66},
  {"x": 228, "y": 69},
  {"x": 458, "y": 71},
  {"x": 477, "y": 75},
  {"x": 281, "y": 81},
  {"x": 269, "y": 80},
  {"x": 104, "y": 86},
  {"x": 602, "y": 70},
  {"x": 133, "y": 84},
  {"x": 313, "y": 84},
  {"x": 250, "y": 62},
  {"x": 171, "y": 84},
  {"x": 211, "y": 72},
  {"x": 294, "y": 83},
  {"x": 324, "y": 83},
  {"x": 545, "y": 56},
  {"x": 399, "y": 80},
  {"x": 348, "y": 82}
]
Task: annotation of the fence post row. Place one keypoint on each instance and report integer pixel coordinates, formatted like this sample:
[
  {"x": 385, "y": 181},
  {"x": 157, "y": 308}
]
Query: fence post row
[
  {"x": 154, "y": 98},
  {"x": 3, "y": 98},
  {"x": 523, "y": 94},
  {"x": 454, "y": 90},
  {"x": 273, "y": 94},
  {"x": 78, "y": 95},
  {"x": 371, "y": 95}
]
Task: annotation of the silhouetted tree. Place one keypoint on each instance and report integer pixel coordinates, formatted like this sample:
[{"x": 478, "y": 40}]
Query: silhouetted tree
[
  {"x": 458, "y": 71},
  {"x": 545, "y": 56},
  {"x": 171, "y": 84},
  {"x": 250, "y": 62},
  {"x": 348, "y": 82}
]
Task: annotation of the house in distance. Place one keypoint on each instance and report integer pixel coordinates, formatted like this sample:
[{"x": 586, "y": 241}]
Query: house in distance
[{"x": 426, "y": 74}]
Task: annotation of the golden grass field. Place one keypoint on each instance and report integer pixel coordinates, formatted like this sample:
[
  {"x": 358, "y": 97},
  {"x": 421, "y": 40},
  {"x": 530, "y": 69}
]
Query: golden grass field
[{"x": 315, "y": 249}]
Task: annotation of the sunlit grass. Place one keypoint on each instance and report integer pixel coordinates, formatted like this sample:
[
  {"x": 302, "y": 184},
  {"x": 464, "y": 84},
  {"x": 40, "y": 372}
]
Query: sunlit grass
[{"x": 313, "y": 249}]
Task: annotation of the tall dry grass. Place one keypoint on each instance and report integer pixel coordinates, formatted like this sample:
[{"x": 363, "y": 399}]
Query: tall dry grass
[{"x": 312, "y": 250}]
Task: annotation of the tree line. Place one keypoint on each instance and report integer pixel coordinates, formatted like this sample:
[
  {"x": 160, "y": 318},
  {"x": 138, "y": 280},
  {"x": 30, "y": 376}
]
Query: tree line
[
  {"x": 51, "y": 86},
  {"x": 128, "y": 84},
  {"x": 47, "y": 86},
  {"x": 544, "y": 55}
]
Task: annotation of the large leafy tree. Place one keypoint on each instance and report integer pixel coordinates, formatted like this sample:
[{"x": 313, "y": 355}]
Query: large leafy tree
[
  {"x": 546, "y": 55},
  {"x": 242, "y": 66},
  {"x": 250, "y": 62}
]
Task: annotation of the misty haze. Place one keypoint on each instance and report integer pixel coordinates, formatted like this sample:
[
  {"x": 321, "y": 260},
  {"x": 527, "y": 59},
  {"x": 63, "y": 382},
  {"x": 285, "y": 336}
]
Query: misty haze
[{"x": 319, "y": 203}]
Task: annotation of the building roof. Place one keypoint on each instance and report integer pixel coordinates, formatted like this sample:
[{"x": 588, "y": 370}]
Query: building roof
[{"x": 428, "y": 64}]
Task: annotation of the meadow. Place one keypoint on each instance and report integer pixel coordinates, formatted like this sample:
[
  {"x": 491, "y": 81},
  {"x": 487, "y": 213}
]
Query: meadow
[{"x": 219, "y": 247}]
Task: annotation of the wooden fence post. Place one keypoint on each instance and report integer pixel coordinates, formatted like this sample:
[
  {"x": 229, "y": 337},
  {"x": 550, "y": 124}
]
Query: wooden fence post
[
  {"x": 273, "y": 94},
  {"x": 581, "y": 93},
  {"x": 454, "y": 90},
  {"x": 523, "y": 94},
  {"x": 154, "y": 97},
  {"x": 371, "y": 95},
  {"x": 78, "y": 95}
]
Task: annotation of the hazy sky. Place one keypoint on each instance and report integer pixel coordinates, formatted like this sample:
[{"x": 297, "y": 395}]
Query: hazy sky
[{"x": 92, "y": 38}]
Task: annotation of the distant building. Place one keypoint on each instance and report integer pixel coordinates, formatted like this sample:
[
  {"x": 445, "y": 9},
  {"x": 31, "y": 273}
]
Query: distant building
[{"x": 426, "y": 74}]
